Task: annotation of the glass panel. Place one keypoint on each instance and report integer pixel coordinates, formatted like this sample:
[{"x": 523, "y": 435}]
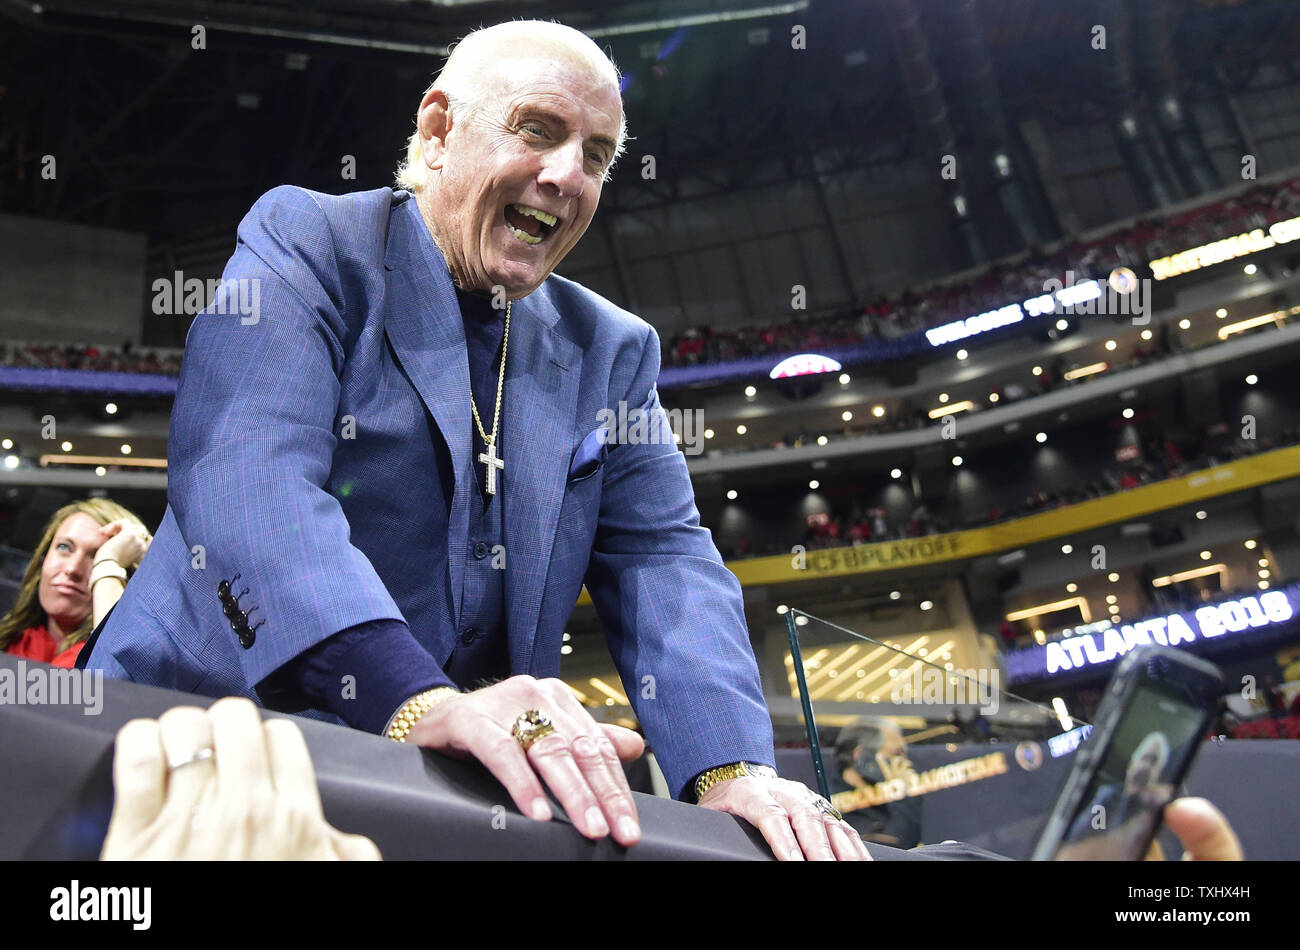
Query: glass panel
[{"x": 923, "y": 742}]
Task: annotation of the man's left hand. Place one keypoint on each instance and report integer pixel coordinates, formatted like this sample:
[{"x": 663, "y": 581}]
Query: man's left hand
[{"x": 789, "y": 816}]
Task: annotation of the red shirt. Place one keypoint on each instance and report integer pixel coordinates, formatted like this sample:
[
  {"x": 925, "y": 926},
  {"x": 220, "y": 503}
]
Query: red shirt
[{"x": 37, "y": 644}]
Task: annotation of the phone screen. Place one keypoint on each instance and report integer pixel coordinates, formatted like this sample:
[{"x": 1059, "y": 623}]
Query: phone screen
[{"x": 1121, "y": 807}]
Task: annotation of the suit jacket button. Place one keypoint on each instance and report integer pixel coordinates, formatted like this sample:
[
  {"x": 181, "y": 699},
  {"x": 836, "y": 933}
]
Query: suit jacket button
[
  {"x": 481, "y": 550},
  {"x": 469, "y": 636}
]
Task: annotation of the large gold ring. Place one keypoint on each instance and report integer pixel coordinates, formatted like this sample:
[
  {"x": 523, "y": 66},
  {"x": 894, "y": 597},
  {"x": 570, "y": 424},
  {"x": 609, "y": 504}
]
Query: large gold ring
[
  {"x": 530, "y": 727},
  {"x": 826, "y": 808}
]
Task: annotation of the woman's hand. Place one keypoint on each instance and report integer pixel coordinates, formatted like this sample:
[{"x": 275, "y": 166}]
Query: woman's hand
[
  {"x": 125, "y": 541},
  {"x": 220, "y": 784}
]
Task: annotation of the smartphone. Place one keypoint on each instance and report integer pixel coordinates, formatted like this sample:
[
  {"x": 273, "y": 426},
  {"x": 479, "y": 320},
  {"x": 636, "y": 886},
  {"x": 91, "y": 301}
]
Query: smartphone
[{"x": 1152, "y": 718}]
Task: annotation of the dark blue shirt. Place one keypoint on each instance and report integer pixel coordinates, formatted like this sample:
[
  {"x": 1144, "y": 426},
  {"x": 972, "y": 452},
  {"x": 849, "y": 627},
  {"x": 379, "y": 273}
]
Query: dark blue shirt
[{"x": 364, "y": 673}]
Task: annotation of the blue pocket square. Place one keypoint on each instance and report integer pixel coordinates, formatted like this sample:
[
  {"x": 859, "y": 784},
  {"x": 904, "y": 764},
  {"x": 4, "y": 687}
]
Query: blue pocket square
[{"x": 588, "y": 456}]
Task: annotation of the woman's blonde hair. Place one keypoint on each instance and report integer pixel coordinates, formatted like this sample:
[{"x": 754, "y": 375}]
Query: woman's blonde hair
[{"x": 27, "y": 610}]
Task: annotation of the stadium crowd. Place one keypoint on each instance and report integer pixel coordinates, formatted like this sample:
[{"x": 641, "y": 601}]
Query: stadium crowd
[
  {"x": 1005, "y": 282},
  {"x": 865, "y": 524}
]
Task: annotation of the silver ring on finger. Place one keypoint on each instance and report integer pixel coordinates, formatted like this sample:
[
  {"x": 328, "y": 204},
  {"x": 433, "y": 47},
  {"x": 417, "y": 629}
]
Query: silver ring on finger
[{"x": 199, "y": 755}]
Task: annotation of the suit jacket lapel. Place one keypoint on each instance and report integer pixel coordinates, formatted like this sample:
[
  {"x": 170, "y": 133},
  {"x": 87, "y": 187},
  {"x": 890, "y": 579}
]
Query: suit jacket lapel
[
  {"x": 541, "y": 397},
  {"x": 425, "y": 328}
]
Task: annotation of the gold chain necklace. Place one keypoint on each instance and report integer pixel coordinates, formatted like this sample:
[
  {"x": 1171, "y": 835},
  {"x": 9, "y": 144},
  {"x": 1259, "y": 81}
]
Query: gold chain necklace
[{"x": 491, "y": 461}]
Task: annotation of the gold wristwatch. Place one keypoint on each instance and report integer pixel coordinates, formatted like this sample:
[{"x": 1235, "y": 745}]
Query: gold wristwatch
[
  {"x": 410, "y": 711},
  {"x": 724, "y": 772}
]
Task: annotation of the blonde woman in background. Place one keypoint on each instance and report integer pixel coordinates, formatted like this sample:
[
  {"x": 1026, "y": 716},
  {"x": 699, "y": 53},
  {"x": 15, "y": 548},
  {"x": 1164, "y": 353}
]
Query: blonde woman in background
[{"x": 76, "y": 574}]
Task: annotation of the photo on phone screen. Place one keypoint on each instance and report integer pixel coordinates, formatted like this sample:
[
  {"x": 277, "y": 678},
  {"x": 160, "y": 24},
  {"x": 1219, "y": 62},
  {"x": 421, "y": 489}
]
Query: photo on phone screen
[
  {"x": 1155, "y": 713},
  {"x": 1122, "y": 804}
]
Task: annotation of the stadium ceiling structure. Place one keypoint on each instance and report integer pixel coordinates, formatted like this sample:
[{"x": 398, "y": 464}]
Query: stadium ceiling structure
[{"x": 155, "y": 133}]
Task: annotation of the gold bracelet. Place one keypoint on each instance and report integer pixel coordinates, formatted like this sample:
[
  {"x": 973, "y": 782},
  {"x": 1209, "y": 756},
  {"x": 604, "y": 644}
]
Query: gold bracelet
[
  {"x": 722, "y": 773},
  {"x": 415, "y": 707}
]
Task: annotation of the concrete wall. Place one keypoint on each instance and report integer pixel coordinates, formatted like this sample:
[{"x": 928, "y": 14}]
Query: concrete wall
[{"x": 68, "y": 282}]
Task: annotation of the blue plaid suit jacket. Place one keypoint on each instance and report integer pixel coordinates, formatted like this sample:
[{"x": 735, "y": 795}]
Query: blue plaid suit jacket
[{"x": 358, "y": 334}]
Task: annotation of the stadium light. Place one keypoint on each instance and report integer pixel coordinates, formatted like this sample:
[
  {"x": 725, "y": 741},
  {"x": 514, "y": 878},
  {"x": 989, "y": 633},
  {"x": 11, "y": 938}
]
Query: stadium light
[
  {"x": 1090, "y": 370},
  {"x": 1062, "y": 714},
  {"x": 1192, "y": 574},
  {"x": 1241, "y": 326},
  {"x": 138, "y": 462},
  {"x": 962, "y": 406}
]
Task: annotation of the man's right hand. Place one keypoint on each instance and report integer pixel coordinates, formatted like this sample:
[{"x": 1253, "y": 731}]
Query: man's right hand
[{"x": 579, "y": 761}]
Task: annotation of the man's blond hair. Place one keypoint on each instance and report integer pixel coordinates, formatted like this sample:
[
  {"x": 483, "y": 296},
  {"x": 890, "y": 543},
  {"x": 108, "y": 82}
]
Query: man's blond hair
[{"x": 464, "y": 78}]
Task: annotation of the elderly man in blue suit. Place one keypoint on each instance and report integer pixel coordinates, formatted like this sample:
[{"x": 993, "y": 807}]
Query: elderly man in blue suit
[{"x": 389, "y": 481}]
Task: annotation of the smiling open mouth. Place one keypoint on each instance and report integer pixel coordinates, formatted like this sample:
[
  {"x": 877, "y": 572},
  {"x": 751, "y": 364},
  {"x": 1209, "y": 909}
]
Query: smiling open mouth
[{"x": 530, "y": 225}]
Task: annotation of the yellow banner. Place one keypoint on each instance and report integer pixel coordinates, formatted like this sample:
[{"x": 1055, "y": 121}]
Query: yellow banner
[
  {"x": 1239, "y": 475},
  {"x": 909, "y": 784}
]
